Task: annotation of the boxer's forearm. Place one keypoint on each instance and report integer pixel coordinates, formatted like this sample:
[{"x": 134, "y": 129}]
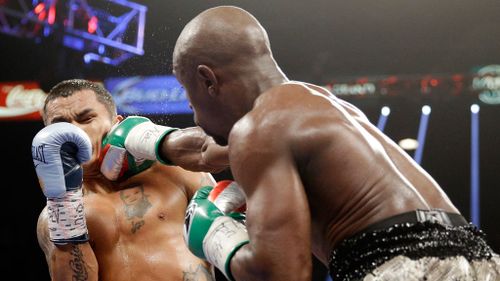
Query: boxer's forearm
[
  {"x": 194, "y": 150},
  {"x": 73, "y": 262},
  {"x": 243, "y": 265},
  {"x": 248, "y": 265}
]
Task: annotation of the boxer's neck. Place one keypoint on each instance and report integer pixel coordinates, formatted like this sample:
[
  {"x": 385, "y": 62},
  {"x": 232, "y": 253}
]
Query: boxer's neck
[{"x": 266, "y": 74}]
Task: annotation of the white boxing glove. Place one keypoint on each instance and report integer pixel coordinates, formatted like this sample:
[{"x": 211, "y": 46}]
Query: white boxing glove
[{"x": 131, "y": 147}]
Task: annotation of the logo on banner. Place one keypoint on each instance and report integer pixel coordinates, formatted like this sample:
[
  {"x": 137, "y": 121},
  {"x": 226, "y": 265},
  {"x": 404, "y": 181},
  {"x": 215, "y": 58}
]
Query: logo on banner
[
  {"x": 21, "y": 101},
  {"x": 148, "y": 95},
  {"x": 345, "y": 89},
  {"x": 487, "y": 84}
]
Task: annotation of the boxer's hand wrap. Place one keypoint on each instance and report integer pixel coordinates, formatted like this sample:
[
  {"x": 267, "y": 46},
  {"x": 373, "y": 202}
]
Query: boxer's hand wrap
[
  {"x": 131, "y": 146},
  {"x": 212, "y": 235},
  {"x": 58, "y": 151},
  {"x": 67, "y": 222}
]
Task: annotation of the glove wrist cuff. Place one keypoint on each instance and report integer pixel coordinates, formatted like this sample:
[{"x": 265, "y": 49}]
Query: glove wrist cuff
[
  {"x": 144, "y": 139},
  {"x": 66, "y": 218},
  {"x": 158, "y": 146},
  {"x": 224, "y": 238}
]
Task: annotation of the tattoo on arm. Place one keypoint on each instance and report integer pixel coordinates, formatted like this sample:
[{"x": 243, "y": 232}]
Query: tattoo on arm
[{"x": 78, "y": 265}]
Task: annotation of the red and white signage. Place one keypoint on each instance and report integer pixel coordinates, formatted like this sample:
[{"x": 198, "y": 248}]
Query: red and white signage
[{"x": 21, "y": 101}]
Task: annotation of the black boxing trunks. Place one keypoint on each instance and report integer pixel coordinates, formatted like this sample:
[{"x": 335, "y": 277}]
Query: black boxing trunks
[{"x": 417, "y": 245}]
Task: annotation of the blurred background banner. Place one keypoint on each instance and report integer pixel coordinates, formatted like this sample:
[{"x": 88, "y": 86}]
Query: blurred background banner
[
  {"x": 148, "y": 95},
  {"x": 480, "y": 84},
  {"x": 21, "y": 101}
]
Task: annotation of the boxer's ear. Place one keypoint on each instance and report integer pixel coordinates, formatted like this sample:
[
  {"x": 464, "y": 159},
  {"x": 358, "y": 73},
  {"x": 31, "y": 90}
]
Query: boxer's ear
[
  {"x": 208, "y": 79},
  {"x": 118, "y": 119}
]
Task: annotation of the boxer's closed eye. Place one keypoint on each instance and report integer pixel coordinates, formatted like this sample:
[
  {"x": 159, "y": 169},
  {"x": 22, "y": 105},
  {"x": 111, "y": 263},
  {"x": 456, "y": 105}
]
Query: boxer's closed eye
[{"x": 85, "y": 116}]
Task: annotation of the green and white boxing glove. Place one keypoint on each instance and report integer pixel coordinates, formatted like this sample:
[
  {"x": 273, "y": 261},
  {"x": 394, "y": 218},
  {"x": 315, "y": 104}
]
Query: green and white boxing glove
[
  {"x": 131, "y": 147},
  {"x": 210, "y": 234}
]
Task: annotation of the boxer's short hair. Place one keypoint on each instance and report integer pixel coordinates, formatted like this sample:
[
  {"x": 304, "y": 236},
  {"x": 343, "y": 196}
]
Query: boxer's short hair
[{"x": 67, "y": 88}]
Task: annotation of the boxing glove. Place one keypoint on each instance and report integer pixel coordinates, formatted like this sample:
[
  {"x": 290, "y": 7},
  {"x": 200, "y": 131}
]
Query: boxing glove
[
  {"x": 58, "y": 151},
  {"x": 131, "y": 147},
  {"x": 212, "y": 235},
  {"x": 228, "y": 197}
]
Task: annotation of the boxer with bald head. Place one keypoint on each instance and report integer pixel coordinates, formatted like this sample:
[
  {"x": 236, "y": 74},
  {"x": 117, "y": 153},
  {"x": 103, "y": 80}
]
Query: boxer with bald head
[
  {"x": 102, "y": 225},
  {"x": 318, "y": 176}
]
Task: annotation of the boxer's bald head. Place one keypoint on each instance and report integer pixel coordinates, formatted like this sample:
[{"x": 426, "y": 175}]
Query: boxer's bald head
[
  {"x": 220, "y": 37},
  {"x": 223, "y": 59}
]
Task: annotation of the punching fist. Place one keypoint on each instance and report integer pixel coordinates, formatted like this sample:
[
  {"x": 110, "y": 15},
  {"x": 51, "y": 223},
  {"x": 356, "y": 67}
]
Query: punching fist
[
  {"x": 131, "y": 146},
  {"x": 58, "y": 151},
  {"x": 210, "y": 233}
]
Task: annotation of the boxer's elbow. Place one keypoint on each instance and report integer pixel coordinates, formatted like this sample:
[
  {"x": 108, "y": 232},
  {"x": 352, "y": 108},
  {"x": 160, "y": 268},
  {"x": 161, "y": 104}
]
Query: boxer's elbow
[{"x": 252, "y": 265}]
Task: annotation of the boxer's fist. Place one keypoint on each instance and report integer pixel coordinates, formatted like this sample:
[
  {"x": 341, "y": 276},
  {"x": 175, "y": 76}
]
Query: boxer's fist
[
  {"x": 58, "y": 151},
  {"x": 130, "y": 147},
  {"x": 212, "y": 235}
]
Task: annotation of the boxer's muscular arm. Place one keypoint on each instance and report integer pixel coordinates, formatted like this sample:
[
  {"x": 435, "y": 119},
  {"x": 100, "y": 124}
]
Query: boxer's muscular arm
[
  {"x": 66, "y": 262},
  {"x": 192, "y": 149},
  {"x": 278, "y": 218}
]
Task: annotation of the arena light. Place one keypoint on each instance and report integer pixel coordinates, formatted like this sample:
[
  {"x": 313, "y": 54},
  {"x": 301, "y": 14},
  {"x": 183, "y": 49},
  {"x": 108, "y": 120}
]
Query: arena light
[
  {"x": 408, "y": 144},
  {"x": 474, "y": 165},
  {"x": 385, "y": 111},
  {"x": 116, "y": 27},
  {"x": 92, "y": 24},
  {"x": 39, "y": 8},
  {"x": 27, "y": 19},
  {"x": 426, "y": 110},
  {"x": 384, "y": 115},
  {"x": 422, "y": 131},
  {"x": 85, "y": 26},
  {"x": 51, "y": 19},
  {"x": 474, "y": 108}
]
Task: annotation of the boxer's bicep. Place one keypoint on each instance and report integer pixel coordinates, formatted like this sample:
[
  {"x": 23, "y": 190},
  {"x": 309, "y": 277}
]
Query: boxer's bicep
[
  {"x": 66, "y": 262},
  {"x": 278, "y": 218}
]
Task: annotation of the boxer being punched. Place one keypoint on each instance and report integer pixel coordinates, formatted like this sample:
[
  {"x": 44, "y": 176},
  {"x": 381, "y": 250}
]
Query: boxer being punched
[
  {"x": 317, "y": 175},
  {"x": 126, "y": 228}
]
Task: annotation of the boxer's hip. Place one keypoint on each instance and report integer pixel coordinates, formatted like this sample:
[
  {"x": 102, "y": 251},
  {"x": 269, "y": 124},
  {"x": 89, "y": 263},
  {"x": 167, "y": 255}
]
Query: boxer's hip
[{"x": 414, "y": 235}]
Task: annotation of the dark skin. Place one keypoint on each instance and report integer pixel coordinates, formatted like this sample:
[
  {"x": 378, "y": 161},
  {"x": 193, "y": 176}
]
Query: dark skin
[
  {"x": 314, "y": 169},
  {"x": 136, "y": 225},
  {"x": 194, "y": 150}
]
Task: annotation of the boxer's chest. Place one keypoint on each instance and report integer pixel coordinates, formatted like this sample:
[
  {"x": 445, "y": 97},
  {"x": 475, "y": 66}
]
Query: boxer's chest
[
  {"x": 142, "y": 208},
  {"x": 139, "y": 212}
]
